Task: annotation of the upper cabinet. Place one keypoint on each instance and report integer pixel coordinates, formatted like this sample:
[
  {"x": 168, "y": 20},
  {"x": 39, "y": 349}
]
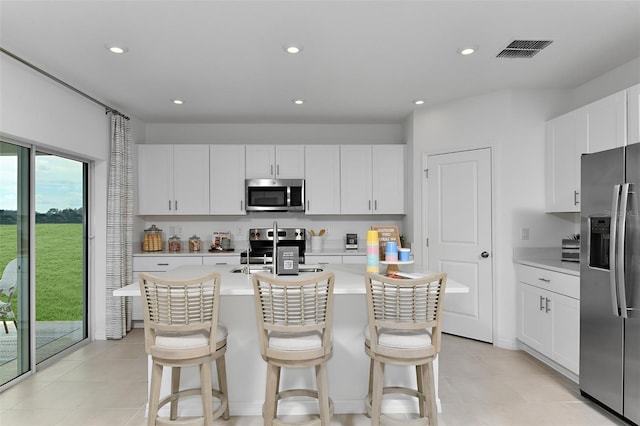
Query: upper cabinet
[
  {"x": 322, "y": 179},
  {"x": 633, "y": 114},
  {"x": 173, "y": 179},
  {"x": 592, "y": 128},
  {"x": 562, "y": 164},
  {"x": 601, "y": 124},
  {"x": 275, "y": 162},
  {"x": 226, "y": 177},
  {"x": 372, "y": 179}
]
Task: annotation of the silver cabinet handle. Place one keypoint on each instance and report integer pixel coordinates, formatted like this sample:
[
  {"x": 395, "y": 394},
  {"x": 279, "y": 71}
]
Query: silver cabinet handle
[
  {"x": 369, "y": 205},
  {"x": 375, "y": 205},
  {"x": 271, "y": 168},
  {"x": 278, "y": 170},
  {"x": 541, "y": 303},
  {"x": 163, "y": 264},
  {"x": 546, "y": 280},
  {"x": 575, "y": 198},
  {"x": 169, "y": 205},
  {"x": 308, "y": 204},
  {"x": 241, "y": 204},
  {"x": 547, "y": 308},
  {"x": 175, "y": 204}
]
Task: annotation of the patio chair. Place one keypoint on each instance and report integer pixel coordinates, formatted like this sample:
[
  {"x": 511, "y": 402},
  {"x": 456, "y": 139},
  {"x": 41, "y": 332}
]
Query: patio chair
[{"x": 7, "y": 288}]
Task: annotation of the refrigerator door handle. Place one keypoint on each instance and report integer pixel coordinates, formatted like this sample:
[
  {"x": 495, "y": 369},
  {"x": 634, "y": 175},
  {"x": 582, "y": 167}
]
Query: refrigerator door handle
[
  {"x": 620, "y": 258},
  {"x": 613, "y": 247}
]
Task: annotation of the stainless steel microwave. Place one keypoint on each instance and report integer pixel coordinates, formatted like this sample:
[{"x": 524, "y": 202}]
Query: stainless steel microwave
[{"x": 274, "y": 195}]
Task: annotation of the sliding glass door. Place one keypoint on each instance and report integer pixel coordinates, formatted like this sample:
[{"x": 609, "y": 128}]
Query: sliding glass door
[
  {"x": 15, "y": 350},
  {"x": 42, "y": 214}
]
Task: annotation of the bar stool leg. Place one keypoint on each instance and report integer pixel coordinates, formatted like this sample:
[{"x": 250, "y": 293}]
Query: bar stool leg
[
  {"x": 221, "y": 369},
  {"x": 205, "y": 390},
  {"x": 270, "y": 398},
  {"x": 175, "y": 388},
  {"x": 154, "y": 393},
  {"x": 423, "y": 397},
  {"x": 376, "y": 395},
  {"x": 323, "y": 393},
  {"x": 431, "y": 393}
]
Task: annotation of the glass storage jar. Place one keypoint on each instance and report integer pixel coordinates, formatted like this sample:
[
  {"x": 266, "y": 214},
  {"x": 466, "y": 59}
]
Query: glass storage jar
[
  {"x": 152, "y": 240},
  {"x": 194, "y": 244},
  {"x": 175, "y": 244}
]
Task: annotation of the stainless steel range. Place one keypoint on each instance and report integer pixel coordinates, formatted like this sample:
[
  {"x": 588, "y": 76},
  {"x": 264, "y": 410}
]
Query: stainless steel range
[{"x": 261, "y": 244}]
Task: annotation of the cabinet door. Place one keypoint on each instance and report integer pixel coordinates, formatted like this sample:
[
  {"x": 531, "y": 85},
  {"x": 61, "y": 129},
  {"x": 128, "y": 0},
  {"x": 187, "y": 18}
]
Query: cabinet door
[
  {"x": 601, "y": 124},
  {"x": 388, "y": 179},
  {"x": 562, "y": 165},
  {"x": 535, "y": 323},
  {"x": 191, "y": 179},
  {"x": 155, "y": 179},
  {"x": 227, "y": 180},
  {"x": 290, "y": 161},
  {"x": 322, "y": 179},
  {"x": 260, "y": 162},
  {"x": 633, "y": 114},
  {"x": 565, "y": 339},
  {"x": 356, "y": 179}
]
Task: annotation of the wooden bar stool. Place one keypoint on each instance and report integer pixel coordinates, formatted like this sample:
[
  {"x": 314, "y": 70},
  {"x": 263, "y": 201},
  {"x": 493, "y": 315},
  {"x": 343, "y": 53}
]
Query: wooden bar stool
[
  {"x": 404, "y": 329},
  {"x": 294, "y": 328},
  {"x": 181, "y": 329}
]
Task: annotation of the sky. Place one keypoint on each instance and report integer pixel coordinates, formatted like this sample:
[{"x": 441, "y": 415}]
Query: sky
[{"x": 58, "y": 183}]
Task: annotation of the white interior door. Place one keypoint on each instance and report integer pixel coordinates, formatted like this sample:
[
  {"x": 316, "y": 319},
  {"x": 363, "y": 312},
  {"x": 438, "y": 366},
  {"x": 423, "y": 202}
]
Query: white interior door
[{"x": 458, "y": 223}]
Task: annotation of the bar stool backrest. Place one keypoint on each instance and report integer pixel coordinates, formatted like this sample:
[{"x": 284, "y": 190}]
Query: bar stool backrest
[{"x": 174, "y": 307}]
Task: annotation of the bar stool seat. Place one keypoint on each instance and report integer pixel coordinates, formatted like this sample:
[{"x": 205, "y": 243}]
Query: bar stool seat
[
  {"x": 181, "y": 330},
  {"x": 294, "y": 328},
  {"x": 403, "y": 329}
]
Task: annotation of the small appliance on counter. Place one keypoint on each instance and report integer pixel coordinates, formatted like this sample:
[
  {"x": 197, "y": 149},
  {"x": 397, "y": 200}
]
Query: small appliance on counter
[
  {"x": 351, "y": 242},
  {"x": 571, "y": 249}
]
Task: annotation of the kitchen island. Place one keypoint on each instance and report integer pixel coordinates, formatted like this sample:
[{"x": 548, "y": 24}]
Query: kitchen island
[{"x": 246, "y": 371}]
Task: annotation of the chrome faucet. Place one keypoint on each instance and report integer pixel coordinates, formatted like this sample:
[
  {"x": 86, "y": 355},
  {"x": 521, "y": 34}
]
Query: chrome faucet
[{"x": 275, "y": 248}]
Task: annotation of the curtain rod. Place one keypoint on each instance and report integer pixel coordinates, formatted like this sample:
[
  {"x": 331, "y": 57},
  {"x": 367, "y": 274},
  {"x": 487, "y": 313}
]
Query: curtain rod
[{"x": 68, "y": 86}]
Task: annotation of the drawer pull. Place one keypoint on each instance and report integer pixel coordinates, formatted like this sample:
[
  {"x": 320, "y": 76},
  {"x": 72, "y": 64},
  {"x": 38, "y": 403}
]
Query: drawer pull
[
  {"x": 542, "y": 303},
  {"x": 547, "y": 308},
  {"x": 546, "y": 280},
  {"x": 163, "y": 264}
]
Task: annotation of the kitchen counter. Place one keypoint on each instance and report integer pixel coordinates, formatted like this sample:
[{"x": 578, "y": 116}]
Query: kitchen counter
[
  {"x": 545, "y": 258},
  {"x": 246, "y": 371}
]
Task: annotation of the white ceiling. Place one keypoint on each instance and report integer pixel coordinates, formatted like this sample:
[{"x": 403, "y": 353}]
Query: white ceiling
[{"x": 363, "y": 61}]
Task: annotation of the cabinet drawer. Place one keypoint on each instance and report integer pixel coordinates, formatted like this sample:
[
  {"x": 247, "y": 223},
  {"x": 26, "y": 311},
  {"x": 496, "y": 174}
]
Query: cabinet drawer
[
  {"x": 320, "y": 259},
  {"x": 163, "y": 263},
  {"x": 568, "y": 285}
]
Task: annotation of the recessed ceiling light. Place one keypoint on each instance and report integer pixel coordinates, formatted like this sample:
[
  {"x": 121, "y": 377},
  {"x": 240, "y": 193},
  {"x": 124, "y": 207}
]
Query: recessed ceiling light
[
  {"x": 418, "y": 102},
  {"x": 292, "y": 49},
  {"x": 177, "y": 101},
  {"x": 117, "y": 49},
  {"x": 297, "y": 101},
  {"x": 465, "y": 51}
]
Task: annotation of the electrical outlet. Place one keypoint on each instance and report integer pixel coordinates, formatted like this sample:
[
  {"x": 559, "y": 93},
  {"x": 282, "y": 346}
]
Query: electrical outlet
[
  {"x": 179, "y": 231},
  {"x": 524, "y": 234},
  {"x": 327, "y": 231},
  {"x": 239, "y": 231},
  {"x": 172, "y": 231}
]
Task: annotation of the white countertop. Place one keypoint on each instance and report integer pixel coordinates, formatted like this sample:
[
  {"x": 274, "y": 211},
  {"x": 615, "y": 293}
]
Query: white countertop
[
  {"x": 349, "y": 279},
  {"x": 545, "y": 258}
]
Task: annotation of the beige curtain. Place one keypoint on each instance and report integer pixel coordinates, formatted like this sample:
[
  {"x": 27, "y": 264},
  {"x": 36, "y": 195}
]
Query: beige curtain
[{"x": 119, "y": 227}]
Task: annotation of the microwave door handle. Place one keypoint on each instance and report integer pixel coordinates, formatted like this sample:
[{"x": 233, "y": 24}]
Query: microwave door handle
[
  {"x": 613, "y": 247},
  {"x": 622, "y": 227}
]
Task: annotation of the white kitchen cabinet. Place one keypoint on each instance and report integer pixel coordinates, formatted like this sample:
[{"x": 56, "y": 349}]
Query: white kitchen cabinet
[
  {"x": 275, "y": 162},
  {"x": 601, "y": 124},
  {"x": 226, "y": 175},
  {"x": 372, "y": 179},
  {"x": 154, "y": 264},
  {"x": 322, "y": 179},
  {"x": 562, "y": 164},
  {"x": 173, "y": 179},
  {"x": 549, "y": 321},
  {"x": 633, "y": 114}
]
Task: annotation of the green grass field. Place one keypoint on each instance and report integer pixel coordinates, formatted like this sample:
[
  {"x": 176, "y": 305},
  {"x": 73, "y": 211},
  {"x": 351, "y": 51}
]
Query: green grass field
[{"x": 59, "y": 285}]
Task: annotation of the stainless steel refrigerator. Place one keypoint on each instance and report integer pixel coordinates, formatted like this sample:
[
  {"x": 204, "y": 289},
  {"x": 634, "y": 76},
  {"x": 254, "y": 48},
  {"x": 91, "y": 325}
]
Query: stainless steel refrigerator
[{"x": 610, "y": 280}]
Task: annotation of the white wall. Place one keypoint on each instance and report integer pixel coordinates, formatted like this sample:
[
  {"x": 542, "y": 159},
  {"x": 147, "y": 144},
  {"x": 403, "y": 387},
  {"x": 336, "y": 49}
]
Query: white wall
[
  {"x": 512, "y": 123},
  {"x": 35, "y": 110},
  {"x": 283, "y": 134}
]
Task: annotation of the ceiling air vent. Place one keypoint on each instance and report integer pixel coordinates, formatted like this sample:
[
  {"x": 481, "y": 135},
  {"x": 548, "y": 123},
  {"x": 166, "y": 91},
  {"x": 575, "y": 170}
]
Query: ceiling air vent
[{"x": 523, "y": 48}]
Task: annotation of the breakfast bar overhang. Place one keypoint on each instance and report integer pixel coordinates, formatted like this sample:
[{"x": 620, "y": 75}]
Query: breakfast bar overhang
[{"x": 246, "y": 371}]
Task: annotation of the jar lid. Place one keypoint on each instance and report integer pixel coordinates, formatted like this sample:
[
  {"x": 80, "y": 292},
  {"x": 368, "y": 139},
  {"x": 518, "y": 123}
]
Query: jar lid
[
  {"x": 174, "y": 238},
  {"x": 195, "y": 237},
  {"x": 153, "y": 228}
]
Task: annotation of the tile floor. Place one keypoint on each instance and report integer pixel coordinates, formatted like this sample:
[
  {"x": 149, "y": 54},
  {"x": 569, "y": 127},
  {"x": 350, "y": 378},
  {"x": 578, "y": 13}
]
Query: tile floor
[{"x": 479, "y": 385}]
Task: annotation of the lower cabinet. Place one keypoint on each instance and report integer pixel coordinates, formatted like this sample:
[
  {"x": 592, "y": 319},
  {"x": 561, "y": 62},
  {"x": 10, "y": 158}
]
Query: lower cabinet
[{"x": 549, "y": 321}]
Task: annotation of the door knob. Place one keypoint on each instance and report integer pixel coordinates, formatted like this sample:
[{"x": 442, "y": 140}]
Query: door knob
[{"x": 484, "y": 254}]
